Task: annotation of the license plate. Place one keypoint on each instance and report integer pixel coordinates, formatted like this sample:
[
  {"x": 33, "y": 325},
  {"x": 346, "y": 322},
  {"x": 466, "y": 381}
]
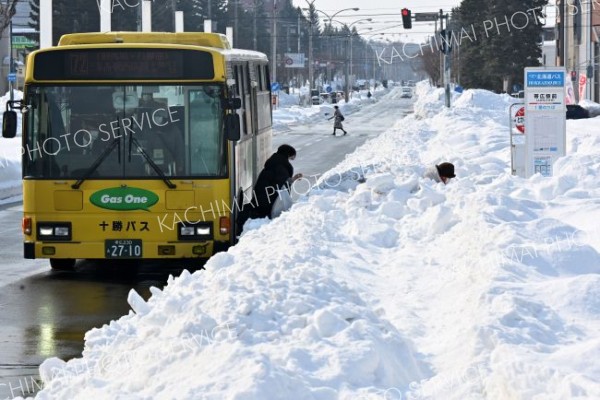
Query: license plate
[{"x": 123, "y": 248}]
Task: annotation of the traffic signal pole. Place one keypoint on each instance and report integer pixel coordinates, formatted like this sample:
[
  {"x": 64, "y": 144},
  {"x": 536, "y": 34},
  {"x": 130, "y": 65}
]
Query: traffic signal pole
[{"x": 445, "y": 44}]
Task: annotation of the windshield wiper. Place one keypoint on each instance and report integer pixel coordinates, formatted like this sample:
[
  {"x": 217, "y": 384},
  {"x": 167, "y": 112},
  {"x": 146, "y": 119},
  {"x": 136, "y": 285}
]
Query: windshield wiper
[
  {"x": 155, "y": 167},
  {"x": 97, "y": 163}
]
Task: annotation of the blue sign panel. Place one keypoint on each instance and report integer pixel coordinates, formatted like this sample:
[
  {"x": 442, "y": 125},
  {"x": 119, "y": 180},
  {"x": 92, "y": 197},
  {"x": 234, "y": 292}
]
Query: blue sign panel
[
  {"x": 275, "y": 86},
  {"x": 546, "y": 79},
  {"x": 12, "y": 77}
]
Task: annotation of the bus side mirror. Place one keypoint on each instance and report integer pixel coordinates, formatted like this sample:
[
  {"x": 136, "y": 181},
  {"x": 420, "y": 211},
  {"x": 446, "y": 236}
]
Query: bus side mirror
[
  {"x": 232, "y": 127},
  {"x": 9, "y": 124}
]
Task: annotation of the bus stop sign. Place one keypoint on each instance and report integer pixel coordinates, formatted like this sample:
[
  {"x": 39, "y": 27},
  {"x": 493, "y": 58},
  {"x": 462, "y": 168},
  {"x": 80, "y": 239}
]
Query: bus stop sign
[{"x": 520, "y": 120}]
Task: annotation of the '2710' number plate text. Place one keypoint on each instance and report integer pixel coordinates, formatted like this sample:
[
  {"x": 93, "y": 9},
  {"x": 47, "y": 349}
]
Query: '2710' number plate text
[{"x": 123, "y": 248}]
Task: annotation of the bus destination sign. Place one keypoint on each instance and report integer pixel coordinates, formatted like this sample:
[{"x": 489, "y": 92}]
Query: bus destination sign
[{"x": 123, "y": 64}]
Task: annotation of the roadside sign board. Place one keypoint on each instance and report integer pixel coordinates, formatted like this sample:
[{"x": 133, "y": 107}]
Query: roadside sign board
[
  {"x": 294, "y": 60},
  {"x": 275, "y": 86},
  {"x": 545, "y": 124},
  {"x": 22, "y": 42},
  {"x": 12, "y": 77},
  {"x": 520, "y": 120},
  {"x": 431, "y": 16},
  {"x": 517, "y": 139}
]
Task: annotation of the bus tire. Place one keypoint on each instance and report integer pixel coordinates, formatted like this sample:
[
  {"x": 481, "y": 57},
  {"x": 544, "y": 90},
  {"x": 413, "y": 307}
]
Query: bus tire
[{"x": 62, "y": 264}]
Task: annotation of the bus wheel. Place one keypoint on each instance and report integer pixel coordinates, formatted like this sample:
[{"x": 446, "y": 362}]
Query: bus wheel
[{"x": 62, "y": 264}]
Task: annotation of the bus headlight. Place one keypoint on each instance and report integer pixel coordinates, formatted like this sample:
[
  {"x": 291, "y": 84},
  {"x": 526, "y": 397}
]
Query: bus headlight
[
  {"x": 203, "y": 230},
  {"x": 196, "y": 231},
  {"x": 61, "y": 231},
  {"x": 46, "y": 231},
  {"x": 186, "y": 230},
  {"x": 54, "y": 231}
]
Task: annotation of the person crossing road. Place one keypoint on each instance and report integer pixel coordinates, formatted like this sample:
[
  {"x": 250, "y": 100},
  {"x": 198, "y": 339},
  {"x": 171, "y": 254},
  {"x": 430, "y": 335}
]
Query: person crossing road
[{"x": 337, "y": 122}]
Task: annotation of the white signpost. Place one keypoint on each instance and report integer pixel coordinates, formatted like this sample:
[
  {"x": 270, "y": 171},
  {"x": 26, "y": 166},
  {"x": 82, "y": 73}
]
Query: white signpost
[
  {"x": 545, "y": 124},
  {"x": 294, "y": 60},
  {"x": 517, "y": 139}
]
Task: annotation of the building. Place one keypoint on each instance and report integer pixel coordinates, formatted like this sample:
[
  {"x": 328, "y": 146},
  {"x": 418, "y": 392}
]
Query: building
[
  {"x": 578, "y": 45},
  {"x": 24, "y": 39},
  {"x": 548, "y": 40}
]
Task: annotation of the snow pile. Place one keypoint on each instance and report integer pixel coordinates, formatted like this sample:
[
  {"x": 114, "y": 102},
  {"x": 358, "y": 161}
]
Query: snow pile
[
  {"x": 287, "y": 100},
  {"x": 383, "y": 285}
]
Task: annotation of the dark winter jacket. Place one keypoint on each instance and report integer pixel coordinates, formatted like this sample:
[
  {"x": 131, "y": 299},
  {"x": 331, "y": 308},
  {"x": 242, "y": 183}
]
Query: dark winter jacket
[{"x": 276, "y": 175}]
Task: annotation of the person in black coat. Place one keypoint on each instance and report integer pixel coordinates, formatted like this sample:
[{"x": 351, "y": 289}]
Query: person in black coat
[{"x": 277, "y": 174}]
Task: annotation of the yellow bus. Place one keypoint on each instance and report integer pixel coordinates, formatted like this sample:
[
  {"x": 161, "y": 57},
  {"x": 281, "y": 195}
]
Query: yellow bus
[{"x": 139, "y": 145}]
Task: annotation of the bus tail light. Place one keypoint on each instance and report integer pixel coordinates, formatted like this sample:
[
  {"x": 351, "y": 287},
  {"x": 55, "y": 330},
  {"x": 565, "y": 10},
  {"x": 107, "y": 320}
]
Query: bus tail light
[
  {"x": 224, "y": 225},
  {"x": 26, "y": 225}
]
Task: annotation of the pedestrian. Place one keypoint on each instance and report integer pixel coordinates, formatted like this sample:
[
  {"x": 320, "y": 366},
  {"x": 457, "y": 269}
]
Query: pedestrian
[
  {"x": 337, "y": 122},
  {"x": 278, "y": 174},
  {"x": 440, "y": 173},
  {"x": 369, "y": 94}
]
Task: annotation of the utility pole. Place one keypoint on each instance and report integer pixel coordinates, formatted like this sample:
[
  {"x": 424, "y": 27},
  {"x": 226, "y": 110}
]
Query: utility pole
[
  {"x": 174, "y": 8},
  {"x": 11, "y": 60},
  {"x": 445, "y": 48},
  {"x": 311, "y": 10},
  {"x": 235, "y": 21},
  {"x": 274, "y": 44},
  {"x": 347, "y": 92},
  {"x": 254, "y": 47},
  {"x": 298, "y": 32}
]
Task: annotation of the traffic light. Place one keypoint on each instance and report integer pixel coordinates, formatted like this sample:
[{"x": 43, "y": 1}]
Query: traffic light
[
  {"x": 443, "y": 44},
  {"x": 406, "y": 18}
]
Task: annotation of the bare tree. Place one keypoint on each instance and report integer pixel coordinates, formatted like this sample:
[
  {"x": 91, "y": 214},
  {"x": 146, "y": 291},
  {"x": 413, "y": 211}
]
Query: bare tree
[
  {"x": 431, "y": 65},
  {"x": 7, "y": 10}
]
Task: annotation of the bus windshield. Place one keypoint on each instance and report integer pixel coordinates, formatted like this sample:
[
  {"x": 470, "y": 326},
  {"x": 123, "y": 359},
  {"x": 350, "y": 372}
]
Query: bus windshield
[{"x": 124, "y": 131}]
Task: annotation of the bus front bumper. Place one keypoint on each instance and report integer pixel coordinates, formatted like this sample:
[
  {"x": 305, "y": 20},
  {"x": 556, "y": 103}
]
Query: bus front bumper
[{"x": 98, "y": 250}]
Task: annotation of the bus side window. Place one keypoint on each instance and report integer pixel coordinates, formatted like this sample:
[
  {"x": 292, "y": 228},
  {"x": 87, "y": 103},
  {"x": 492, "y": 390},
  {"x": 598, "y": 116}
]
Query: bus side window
[
  {"x": 236, "y": 76},
  {"x": 239, "y": 85},
  {"x": 260, "y": 78},
  {"x": 268, "y": 121},
  {"x": 246, "y": 92},
  {"x": 266, "y": 72}
]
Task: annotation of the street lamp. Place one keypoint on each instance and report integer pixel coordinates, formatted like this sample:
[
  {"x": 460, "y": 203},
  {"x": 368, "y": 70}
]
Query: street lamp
[
  {"x": 371, "y": 40},
  {"x": 352, "y": 48},
  {"x": 310, "y": 10},
  {"x": 349, "y": 41}
]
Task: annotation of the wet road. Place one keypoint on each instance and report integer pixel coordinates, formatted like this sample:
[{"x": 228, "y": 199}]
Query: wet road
[{"x": 46, "y": 314}]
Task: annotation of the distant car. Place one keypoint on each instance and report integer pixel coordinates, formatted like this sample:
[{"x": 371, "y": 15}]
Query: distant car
[
  {"x": 575, "y": 111},
  {"x": 316, "y": 100},
  {"x": 326, "y": 97},
  {"x": 406, "y": 93}
]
